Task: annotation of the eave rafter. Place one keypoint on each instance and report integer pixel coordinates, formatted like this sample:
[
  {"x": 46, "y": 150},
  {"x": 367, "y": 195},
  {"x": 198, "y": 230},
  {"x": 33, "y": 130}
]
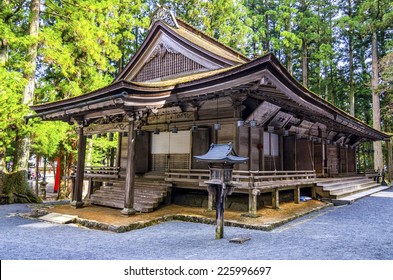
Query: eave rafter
[{"x": 262, "y": 80}]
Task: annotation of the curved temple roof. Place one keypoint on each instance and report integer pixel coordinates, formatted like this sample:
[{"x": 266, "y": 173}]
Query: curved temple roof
[
  {"x": 263, "y": 79},
  {"x": 221, "y": 153}
]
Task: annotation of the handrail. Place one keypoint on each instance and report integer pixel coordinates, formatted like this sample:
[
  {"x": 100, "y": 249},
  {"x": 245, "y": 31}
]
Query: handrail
[
  {"x": 193, "y": 175},
  {"x": 102, "y": 172}
]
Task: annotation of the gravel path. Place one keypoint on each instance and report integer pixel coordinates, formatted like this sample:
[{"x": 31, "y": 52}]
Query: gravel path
[{"x": 363, "y": 230}]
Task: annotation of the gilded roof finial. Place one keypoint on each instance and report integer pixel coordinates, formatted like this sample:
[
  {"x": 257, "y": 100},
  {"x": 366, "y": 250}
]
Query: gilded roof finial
[{"x": 164, "y": 14}]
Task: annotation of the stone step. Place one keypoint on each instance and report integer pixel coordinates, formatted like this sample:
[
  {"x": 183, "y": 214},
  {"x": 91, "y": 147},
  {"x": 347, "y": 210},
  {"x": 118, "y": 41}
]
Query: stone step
[
  {"x": 337, "y": 188},
  {"x": 353, "y": 190},
  {"x": 137, "y": 190},
  {"x": 148, "y": 194},
  {"x": 338, "y": 184},
  {"x": 109, "y": 195},
  {"x": 349, "y": 199},
  {"x": 350, "y": 187},
  {"x": 119, "y": 204},
  {"x": 137, "y": 196},
  {"x": 141, "y": 185}
]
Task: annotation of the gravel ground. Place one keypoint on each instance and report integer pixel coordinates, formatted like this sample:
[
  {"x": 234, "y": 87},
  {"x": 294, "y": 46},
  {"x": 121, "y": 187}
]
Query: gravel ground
[{"x": 363, "y": 230}]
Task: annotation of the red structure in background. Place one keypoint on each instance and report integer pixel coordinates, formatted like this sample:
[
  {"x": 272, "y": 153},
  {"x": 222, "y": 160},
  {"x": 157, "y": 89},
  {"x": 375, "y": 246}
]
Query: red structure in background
[{"x": 57, "y": 178}]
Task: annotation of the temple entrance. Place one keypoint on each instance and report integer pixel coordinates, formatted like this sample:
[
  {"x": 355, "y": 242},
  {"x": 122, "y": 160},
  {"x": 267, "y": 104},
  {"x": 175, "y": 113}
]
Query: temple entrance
[{"x": 170, "y": 150}]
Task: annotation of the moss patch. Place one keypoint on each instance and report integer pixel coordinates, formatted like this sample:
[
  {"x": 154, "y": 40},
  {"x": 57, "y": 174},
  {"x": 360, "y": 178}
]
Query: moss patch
[{"x": 17, "y": 189}]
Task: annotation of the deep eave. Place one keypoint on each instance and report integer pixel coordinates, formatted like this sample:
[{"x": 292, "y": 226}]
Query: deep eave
[
  {"x": 202, "y": 84},
  {"x": 123, "y": 94}
]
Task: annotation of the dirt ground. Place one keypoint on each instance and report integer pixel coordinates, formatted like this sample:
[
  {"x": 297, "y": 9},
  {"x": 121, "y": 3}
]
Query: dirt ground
[{"x": 267, "y": 216}]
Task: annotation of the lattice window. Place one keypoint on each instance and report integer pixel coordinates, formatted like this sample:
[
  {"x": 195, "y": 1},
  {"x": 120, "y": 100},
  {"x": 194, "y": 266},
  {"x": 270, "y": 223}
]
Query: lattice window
[
  {"x": 162, "y": 162},
  {"x": 167, "y": 65}
]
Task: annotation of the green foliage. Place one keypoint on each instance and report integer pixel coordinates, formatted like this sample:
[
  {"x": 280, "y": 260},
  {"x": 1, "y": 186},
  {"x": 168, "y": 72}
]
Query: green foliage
[
  {"x": 11, "y": 109},
  {"x": 386, "y": 88},
  {"x": 80, "y": 43},
  {"x": 100, "y": 148},
  {"x": 84, "y": 44},
  {"x": 224, "y": 20},
  {"x": 47, "y": 136}
]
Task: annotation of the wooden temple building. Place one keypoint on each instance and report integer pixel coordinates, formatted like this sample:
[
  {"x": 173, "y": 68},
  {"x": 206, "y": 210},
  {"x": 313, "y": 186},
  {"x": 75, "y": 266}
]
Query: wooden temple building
[{"x": 183, "y": 91}]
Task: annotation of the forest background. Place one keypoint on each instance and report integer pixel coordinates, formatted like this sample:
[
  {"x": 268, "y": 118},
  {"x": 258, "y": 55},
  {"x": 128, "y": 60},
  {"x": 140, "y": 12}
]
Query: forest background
[{"x": 342, "y": 50}]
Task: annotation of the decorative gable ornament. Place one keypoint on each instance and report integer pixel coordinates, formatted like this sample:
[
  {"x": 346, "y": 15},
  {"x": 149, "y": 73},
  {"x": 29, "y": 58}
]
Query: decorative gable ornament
[
  {"x": 161, "y": 50},
  {"x": 164, "y": 14}
]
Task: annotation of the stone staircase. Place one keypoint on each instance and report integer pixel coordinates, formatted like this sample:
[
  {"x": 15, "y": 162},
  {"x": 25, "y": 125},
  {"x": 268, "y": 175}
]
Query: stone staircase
[
  {"x": 345, "y": 190},
  {"x": 148, "y": 195}
]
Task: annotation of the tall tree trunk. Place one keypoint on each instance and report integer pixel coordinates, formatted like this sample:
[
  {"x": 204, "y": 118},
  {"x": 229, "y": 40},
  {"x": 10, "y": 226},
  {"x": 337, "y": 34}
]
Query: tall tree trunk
[
  {"x": 350, "y": 43},
  {"x": 332, "y": 90},
  {"x": 267, "y": 39},
  {"x": 3, "y": 62},
  {"x": 351, "y": 89},
  {"x": 289, "y": 54},
  {"x": 378, "y": 157},
  {"x": 304, "y": 63},
  {"x": 3, "y": 52},
  {"x": 4, "y": 43},
  {"x": 23, "y": 145}
]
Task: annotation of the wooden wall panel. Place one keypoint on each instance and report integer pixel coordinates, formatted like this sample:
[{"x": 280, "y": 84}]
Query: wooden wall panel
[
  {"x": 342, "y": 160},
  {"x": 289, "y": 152},
  {"x": 142, "y": 152},
  {"x": 226, "y": 134},
  {"x": 351, "y": 160},
  {"x": 304, "y": 158},
  {"x": 200, "y": 145},
  {"x": 318, "y": 158},
  {"x": 332, "y": 159},
  {"x": 243, "y": 147}
]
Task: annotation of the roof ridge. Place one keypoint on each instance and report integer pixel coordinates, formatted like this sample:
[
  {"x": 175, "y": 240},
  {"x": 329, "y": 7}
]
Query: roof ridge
[{"x": 211, "y": 39}]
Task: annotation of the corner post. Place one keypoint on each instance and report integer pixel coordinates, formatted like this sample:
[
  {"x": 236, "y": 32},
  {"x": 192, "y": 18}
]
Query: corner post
[
  {"x": 130, "y": 172},
  {"x": 389, "y": 160},
  {"x": 297, "y": 195},
  {"x": 80, "y": 169},
  {"x": 253, "y": 203},
  {"x": 275, "y": 199}
]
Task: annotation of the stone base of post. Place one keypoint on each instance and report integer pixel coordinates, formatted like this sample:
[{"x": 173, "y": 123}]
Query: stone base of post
[
  {"x": 77, "y": 204},
  {"x": 128, "y": 211}
]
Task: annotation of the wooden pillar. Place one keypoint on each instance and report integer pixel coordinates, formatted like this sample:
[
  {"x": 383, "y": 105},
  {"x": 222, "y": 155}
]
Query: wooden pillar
[
  {"x": 253, "y": 203},
  {"x": 295, "y": 152},
  {"x": 130, "y": 173},
  {"x": 389, "y": 163},
  {"x": 80, "y": 170},
  {"x": 112, "y": 152},
  {"x": 90, "y": 188},
  {"x": 323, "y": 147},
  {"x": 118, "y": 152},
  {"x": 314, "y": 192},
  {"x": 275, "y": 199},
  {"x": 250, "y": 156},
  {"x": 346, "y": 158},
  {"x": 297, "y": 195},
  {"x": 261, "y": 151},
  {"x": 281, "y": 152}
]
